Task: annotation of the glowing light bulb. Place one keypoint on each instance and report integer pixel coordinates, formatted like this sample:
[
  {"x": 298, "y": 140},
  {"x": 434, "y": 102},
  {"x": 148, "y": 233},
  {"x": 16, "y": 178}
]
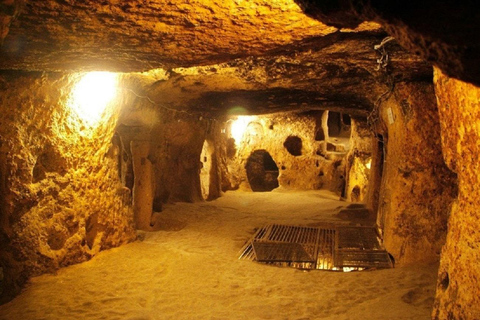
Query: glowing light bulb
[
  {"x": 92, "y": 94},
  {"x": 239, "y": 126}
]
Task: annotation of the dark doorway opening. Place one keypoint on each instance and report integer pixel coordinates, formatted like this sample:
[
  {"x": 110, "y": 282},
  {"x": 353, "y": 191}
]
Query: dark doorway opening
[
  {"x": 379, "y": 179},
  {"x": 262, "y": 171},
  {"x": 339, "y": 124},
  {"x": 293, "y": 144}
]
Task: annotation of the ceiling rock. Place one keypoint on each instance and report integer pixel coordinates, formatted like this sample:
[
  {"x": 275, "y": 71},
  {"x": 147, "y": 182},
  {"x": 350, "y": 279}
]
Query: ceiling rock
[
  {"x": 343, "y": 74},
  {"x": 139, "y": 35},
  {"x": 446, "y": 33},
  {"x": 211, "y": 56}
]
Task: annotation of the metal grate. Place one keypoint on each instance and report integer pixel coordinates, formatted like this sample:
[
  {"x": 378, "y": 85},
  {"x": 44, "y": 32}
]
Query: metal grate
[
  {"x": 281, "y": 252},
  {"x": 362, "y": 259},
  {"x": 364, "y": 238},
  {"x": 327, "y": 248}
]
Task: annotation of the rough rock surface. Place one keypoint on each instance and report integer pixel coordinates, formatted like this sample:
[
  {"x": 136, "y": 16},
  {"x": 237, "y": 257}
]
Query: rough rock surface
[
  {"x": 417, "y": 188},
  {"x": 359, "y": 162},
  {"x": 445, "y": 33},
  {"x": 65, "y": 196},
  {"x": 60, "y": 197},
  {"x": 459, "y": 275},
  {"x": 142, "y": 35},
  {"x": 172, "y": 143},
  {"x": 343, "y": 75},
  {"x": 301, "y": 161}
]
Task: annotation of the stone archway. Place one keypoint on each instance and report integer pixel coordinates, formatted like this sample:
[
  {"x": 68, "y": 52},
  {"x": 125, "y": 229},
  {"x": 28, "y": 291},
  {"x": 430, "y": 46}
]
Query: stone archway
[{"x": 262, "y": 171}]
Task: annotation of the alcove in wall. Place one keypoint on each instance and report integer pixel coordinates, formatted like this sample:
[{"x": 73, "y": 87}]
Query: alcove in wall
[{"x": 262, "y": 171}]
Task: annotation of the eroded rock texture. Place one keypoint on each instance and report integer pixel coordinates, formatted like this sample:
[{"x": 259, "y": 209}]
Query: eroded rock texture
[
  {"x": 61, "y": 197},
  {"x": 459, "y": 275},
  {"x": 359, "y": 162},
  {"x": 171, "y": 161},
  {"x": 417, "y": 189},
  {"x": 67, "y": 192},
  {"x": 142, "y": 35},
  {"x": 341, "y": 75},
  {"x": 283, "y": 150},
  {"x": 445, "y": 33}
]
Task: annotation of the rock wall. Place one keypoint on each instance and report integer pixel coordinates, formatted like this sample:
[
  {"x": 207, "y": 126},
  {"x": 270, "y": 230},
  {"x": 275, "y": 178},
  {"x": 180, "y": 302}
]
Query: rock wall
[
  {"x": 177, "y": 145},
  {"x": 417, "y": 188},
  {"x": 171, "y": 164},
  {"x": 61, "y": 197},
  {"x": 458, "y": 291},
  {"x": 443, "y": 33},
  {"x": 302, "y": 158},
  {"x": 168, "y": 155},
  {"x": 359, "y": 162}
]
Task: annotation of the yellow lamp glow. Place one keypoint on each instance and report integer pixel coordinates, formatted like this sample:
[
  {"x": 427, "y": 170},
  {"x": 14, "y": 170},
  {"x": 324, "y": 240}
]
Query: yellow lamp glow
[
  {"x": 369, "y": 164},
  {"x": 92, "y": 94},
  {"x": 239, "y": 126}
]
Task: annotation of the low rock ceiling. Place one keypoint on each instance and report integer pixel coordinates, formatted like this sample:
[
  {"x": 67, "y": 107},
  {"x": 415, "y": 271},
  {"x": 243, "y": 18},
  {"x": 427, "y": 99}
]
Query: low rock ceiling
[
  {"x": 146, "y": 34},
  {"x": 263, "y": 55},
  {"x": 446, "y": 33},
  {"x": 344, "y": 76}
]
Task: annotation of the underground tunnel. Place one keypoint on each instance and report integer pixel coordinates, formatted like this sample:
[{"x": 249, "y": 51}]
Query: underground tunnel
[{"x": 150, "y": 150}]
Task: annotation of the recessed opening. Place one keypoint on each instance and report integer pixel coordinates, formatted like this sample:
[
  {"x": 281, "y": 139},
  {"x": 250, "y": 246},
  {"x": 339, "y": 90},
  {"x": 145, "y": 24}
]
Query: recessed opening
[
  {"x": 355, "y": 194},
  {"x": 319, "y": 130},
  {"x": 231, "y": 148},
  {"x": 444, "y": 281},
  {"x": 48, "y": 161},
  {"x": 334, "y": 124},
  {"x": 262, "y": 171},
  {"x": 293, "y": 144}
]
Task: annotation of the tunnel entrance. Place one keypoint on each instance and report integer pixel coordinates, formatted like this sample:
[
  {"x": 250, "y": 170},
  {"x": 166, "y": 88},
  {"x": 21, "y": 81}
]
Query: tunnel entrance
[{"x": 262, "y": 171}]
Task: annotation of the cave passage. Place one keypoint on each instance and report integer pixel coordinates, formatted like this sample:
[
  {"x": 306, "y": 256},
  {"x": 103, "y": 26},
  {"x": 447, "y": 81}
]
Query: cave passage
[{"x": 262, "y": 171}]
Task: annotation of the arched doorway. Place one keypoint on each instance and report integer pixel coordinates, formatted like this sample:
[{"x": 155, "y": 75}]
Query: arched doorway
[{"x": 262, "y": 171}]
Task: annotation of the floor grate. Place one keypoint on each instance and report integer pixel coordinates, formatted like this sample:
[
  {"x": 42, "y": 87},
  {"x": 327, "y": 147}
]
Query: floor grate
[{"x": 326, "y": 248}]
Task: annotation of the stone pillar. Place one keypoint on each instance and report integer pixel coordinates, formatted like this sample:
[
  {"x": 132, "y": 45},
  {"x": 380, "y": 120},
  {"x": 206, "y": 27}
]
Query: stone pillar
[
  {"x": 458, "y": 287},
  {"x": 143, "y": 192},
  {"x": 417, "y": 187}
]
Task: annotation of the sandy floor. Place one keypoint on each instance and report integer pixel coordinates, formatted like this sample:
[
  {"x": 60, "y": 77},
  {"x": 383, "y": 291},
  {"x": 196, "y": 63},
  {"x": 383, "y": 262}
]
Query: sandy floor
[{"x": 194, "y": 273}]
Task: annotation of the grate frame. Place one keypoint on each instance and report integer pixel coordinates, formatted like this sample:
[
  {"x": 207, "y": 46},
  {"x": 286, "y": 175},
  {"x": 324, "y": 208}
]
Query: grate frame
[{"x": 324, "y": 247}]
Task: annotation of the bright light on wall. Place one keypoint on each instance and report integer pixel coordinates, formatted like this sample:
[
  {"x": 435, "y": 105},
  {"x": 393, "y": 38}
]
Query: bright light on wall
[
  {"x": 369, "y": 164},
  {"x": 239, "y": 126},
  {"x": 92, "y": 94}
]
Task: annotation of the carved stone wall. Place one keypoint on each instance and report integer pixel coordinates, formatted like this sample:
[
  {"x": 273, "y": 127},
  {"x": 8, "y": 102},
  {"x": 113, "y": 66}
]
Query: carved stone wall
[
  {"x": 458, "y": 291},
  {"x": 301, "y": 161},
  {"x": 61, "y": 199},
  {"x": 417, "y": 189}
]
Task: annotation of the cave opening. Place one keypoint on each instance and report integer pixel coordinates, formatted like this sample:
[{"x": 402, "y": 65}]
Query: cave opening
[
  {"x": 293, "y": 144},
  {"x": 262, "y": 171},
  {"x": 338, "y": 128}
]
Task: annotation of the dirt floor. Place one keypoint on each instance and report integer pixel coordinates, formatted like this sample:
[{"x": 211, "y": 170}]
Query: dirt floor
[{"x": 190, "y": 270}]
